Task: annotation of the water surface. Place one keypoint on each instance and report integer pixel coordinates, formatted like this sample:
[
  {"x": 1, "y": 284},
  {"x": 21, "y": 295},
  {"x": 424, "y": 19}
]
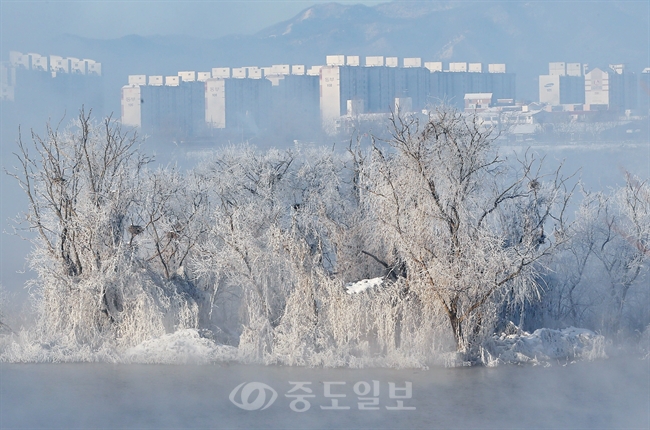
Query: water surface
[{"x": 604, "y": 394}]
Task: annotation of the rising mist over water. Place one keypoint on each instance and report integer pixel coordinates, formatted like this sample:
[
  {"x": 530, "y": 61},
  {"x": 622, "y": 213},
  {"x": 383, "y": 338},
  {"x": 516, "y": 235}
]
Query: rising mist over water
[{"x": 602, "y": 394}]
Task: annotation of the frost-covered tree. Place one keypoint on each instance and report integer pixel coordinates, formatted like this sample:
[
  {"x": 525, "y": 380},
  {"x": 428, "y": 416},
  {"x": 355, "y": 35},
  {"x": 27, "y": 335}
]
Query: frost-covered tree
[
  {"x": 272, "y": 235},
  {"x": 468, "y": 227},
  {"x": 620, "y": 243},
  {"x": 246, "y": 189},
  {"x": 3, "y": 303},
  {"x": 85, "y": 185},
  {"x": 173, "y": 215},
  {"x": 569, "y": 297},
  {"x": 600, "y": 271},
  {"x": 258, "y": 246},
  {"x": 76, "y": 180}
]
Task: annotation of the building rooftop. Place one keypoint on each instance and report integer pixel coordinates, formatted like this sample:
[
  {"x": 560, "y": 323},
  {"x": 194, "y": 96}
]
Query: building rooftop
[{"x": 470, "y": 96}]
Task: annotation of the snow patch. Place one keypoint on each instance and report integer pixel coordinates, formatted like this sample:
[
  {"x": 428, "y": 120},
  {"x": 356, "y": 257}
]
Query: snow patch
[
  {"x": 544, "y": 346},
  {"x": 309, "y": 13},
  {"x": 363, "y": 285},
  {"x": 181, "y": 347}
]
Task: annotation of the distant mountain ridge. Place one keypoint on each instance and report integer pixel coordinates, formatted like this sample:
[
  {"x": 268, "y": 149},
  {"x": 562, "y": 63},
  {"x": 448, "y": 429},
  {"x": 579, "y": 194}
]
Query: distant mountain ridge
[
  {"x": 521, "y": 34},
  {"x": 524, "y": 35}
]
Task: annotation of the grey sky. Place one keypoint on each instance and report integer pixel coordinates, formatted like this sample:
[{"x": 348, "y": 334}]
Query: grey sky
[{"x": 106, "y": 19}]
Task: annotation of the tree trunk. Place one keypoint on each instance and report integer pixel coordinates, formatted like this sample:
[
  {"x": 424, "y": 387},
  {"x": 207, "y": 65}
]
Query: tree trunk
[{"x": 456, "y": 327}]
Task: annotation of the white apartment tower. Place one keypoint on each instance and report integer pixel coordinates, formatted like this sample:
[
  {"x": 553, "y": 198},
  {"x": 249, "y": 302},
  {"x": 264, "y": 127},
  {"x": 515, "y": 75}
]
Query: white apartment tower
[
  {"x": 215, "y": 103},
  {"x": 330, "y": 94},
  {"x": 597, "y": 88},
  {"x": 564, "y": 84},
  {"x": 131, "y": 105}
]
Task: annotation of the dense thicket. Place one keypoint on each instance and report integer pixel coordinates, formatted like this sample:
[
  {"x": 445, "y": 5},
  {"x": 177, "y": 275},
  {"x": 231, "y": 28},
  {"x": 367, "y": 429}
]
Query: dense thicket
[{"x": 255, "y": 248}]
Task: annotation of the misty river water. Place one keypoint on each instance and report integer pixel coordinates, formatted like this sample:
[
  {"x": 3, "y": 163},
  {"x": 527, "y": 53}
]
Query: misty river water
[{"x": 602, "y": 394}]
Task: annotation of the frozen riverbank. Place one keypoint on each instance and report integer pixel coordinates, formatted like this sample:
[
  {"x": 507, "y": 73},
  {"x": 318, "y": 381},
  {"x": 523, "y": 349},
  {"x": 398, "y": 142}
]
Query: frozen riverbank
[{"x": 189, "y": 346}]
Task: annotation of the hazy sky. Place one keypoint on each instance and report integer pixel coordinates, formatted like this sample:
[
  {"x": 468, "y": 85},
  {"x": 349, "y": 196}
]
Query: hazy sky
[{"x": 106, "y": 19}]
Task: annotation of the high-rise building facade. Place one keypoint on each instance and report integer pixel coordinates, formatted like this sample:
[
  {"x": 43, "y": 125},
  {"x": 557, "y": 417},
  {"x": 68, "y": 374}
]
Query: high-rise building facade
[
  {"x": 597, "y": 89},
  {"x": 643, "y": 92},
  {"x": 173, "y": 109},
  {"x": 377, "y": 86},
  {"x": 564, "y": 84},
  {"x": 50, "y": 85},
  {"x": 295, "y": 98},
  {"x": 623, "y": 88},
  {"x": 451, "y": 87}
]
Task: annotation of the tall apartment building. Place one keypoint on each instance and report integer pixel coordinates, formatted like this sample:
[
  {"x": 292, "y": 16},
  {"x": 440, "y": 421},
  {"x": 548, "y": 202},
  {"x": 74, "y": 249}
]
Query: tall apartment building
[
  {"x": 373, "y": 89},
  {"x": 564, "y": 84},
  {"x": 413, "y": 82},
  {"x": 643, "y": 92},
  {"x": 597, "y": 89},
  {"x": 293, "y": 99},
  {"x": 338, "y": 84},
  {"x": 614, "y": 89},
  {"x": 451, "y": 87},
  {"x": 623, "y": 88},
  {"x": 376, "y": 87},
  {"x": 192, "y": 108},
  {"x": 173, "y": 109},
  {"x": 295, "y": 106},
  {"x": 237, "y": 103},
  {"x": 50, "y": 85}
]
